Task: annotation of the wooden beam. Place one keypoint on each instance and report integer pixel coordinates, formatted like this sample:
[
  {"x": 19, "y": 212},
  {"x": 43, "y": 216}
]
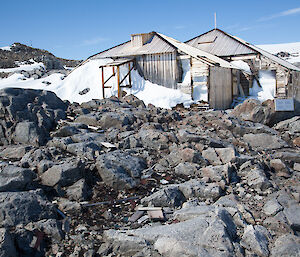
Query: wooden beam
[
  {"x": 126, "y": 76},
  {"x": 191, "y": 72},
  {"x": 118, "y": 81},
  {"x": 109, "y": 78},
  {"x": 129, "y": 78},
  {"x": 102, "y": 70}
]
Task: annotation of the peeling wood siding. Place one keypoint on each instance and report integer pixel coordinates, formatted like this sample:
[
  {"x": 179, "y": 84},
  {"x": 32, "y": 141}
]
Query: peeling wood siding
[
  {"x": 160, "y": 69},
  {"x": 296, "y": 85}
]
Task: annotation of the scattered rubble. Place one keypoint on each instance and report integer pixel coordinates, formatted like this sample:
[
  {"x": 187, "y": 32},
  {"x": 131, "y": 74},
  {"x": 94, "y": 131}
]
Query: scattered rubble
[{"x": 118, "y": 178}]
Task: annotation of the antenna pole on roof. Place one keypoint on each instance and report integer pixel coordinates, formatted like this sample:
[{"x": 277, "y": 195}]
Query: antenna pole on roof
[{"x": 215, "y": 20}]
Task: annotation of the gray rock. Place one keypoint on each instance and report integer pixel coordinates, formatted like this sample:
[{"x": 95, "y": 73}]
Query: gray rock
[
  {"x": 78, "y": 191},
  {"x": 255, "y": 241},
  {"x": 272, "y": 207},
  {"x": 14, "y": 152},
  {"x": 91, "y": 119},
  {"x": 7, "y": 247},
  {"x": 27, "y": 132},
  {"x": 253, "y": 110},
  {"x": 257, "y": 179},
  {"x": 24, "y": 207},
  {"x": 186, "y": 169},
  {"x": 264, "y": 141},
  {"x": 292, "y": 125},
  {"x": 66, "y": 131},
  {"x": 296, "y": 166},
  {"x": 206, "y": 235},
  {"x": 64, "y": 174},
  {"x": 154, "y": 139},
  {"x": 13, "y": 178},
  {"x": 116, "y": 120},
  {"x": 292, "y": 214},
  {"x": 87, "y": 150},
  {"x": 169, "y": 196},
  {"x": 119, "y": 169},
  {"x": 199, "y": 189},
  {"x": 217, "y": 173},
  {"x": 278, "y": 166},
  {"x": 181, "y": 155},
  {"x": 37, "y": 111},
  {"x": 286, "y": 246},
  {"x": 51, "y": 227},
  {"x": 211, "y": 155}
]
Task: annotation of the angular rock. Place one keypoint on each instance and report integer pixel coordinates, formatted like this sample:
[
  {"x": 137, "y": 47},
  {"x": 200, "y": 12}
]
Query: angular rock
[
  {"x": 78, "y": 191},
  {"x": 13, "y": 178},
  {"x": 255, "y": 241},
  {"x": 292, "y": 214},
  {"x": 181, "y": 155},
  {"x": 272, "y": 207},
  {"x": 24, "y": 207},
  {"x": 7, "y": 246},
  {"x": 286, "y": 246},
  {"x": 195, "y": 188},
  {"x": 87, "y": 150},
  {"x": 211, "y": 155},
  {"x": 186, "y": 169},
  {"x": 264, "y": 141},
  {"x": 207, "y": 235},
  {"x": 27, "y": 132},
  {"x": 169, "y": 196},
  {"x": 119, "y": 169},
  {"x": 64, "y": 174},
  {"x": 257, "y": 179}
]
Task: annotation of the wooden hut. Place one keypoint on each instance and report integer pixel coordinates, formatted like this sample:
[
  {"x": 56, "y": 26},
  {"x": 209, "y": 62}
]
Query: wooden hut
[
  {"x": 159, "y": 59},
  {"x": 231, "y": 48}
]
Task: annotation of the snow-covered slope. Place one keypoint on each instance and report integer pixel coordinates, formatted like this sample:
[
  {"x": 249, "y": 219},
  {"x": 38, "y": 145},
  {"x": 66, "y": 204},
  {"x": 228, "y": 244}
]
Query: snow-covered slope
[
  {"x": 292, "y": 48},
  {"x": 87, "y": 78}
]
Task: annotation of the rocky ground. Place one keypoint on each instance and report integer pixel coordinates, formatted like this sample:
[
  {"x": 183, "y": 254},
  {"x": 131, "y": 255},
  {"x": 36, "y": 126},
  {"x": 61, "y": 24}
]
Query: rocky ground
[{"x": 117, "y": 178}]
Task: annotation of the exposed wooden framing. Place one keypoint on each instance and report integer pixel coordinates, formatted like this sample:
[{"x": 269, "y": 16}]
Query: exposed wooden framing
[
  {"x": 128, "y": 74},
  {"x": 102, "y": 71},
  {"x": 129, "y": 78},
  {"x": 118, "y": 81},
  {"x": 192, "y": 86}
]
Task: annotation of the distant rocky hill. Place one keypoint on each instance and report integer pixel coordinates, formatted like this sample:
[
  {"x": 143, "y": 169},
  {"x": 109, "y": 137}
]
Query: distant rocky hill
[{"x": 22, "y": 53}]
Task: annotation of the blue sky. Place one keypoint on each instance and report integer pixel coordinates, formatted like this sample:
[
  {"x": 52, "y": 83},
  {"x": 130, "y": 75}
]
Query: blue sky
[{"x": 77, "y": 29}]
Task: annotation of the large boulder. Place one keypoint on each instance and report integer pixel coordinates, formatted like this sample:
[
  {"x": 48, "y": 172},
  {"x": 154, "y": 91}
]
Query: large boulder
[
  {"x": 28, "y": 115},
  {"x": 209, "y": 234},
  {"x": 264, "y": 141},
  {"x": 7, "y": 246},
  {"x": 24, "y": 207},
  {"x": 13, "y": 178},
  {"x": 120, "y": 170},
  {"x": 65, "y": 173}
]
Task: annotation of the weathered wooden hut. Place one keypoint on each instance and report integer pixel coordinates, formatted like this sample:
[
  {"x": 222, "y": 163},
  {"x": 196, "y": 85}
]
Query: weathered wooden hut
[
  {"x": 162, "y": 60},
  {"x": 231, "y": 48}
]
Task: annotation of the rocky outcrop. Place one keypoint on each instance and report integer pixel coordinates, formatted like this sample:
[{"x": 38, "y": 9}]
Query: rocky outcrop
[{"x": 118, "y": 178}]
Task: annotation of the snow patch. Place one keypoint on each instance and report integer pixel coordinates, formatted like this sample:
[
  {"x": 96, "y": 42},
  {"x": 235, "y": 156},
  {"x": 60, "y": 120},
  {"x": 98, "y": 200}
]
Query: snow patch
[
  {"x": 241, "y": 65},
  {"x": 6, "y": 48},
  {"x": 24, "y": 66},
  {"x": 292, "y": 48},
  {"x": 267, "y": 90}
]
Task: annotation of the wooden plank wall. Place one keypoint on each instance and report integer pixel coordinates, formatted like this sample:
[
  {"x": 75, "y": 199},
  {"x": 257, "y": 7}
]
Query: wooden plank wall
[
  {"x": 296, "y": 85},
  {"x": 220, "y": 88},
  {"x": 160, "y": 69}
]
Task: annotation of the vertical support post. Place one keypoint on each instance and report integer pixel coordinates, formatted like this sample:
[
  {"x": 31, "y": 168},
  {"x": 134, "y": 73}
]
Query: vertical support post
[
  {"x": 118, "y": 81},
  {"x": 103, "y": 93},
  {"x": 129, "y": 78},
  {"x": 192, "y": 83}
]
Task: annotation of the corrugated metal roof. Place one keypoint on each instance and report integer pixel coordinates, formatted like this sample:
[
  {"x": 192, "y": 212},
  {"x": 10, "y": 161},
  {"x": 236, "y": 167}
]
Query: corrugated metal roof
[
  {"x": 218, "y": 43},
  {"x": 274, "y": 58},
  {"x": 155, "y": 46},
  {"x": 198, "y": 53},
  {"x": 222, "y": 44}
]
